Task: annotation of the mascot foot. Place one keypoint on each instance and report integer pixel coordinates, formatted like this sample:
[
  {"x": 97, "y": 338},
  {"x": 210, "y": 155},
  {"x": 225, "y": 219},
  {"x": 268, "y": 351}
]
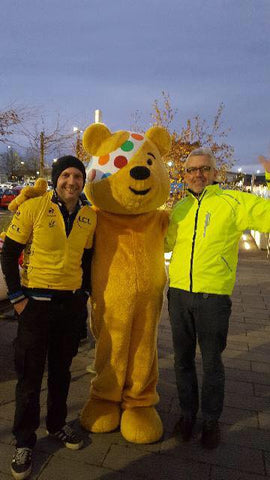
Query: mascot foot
[
  {"x": 141, "y": 425},
  {"x": 100, "y": 416}
]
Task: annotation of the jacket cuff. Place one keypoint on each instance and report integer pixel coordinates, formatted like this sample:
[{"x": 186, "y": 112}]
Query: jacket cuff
[{"x": 16, "y": 297}]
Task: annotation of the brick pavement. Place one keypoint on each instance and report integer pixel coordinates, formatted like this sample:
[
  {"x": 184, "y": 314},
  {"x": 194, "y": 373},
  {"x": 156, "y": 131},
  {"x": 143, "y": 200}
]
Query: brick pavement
[{"x": 244, "y": 453}]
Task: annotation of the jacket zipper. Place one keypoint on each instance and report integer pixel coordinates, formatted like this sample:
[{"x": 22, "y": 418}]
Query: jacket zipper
[{"x": 193, "y": 242}]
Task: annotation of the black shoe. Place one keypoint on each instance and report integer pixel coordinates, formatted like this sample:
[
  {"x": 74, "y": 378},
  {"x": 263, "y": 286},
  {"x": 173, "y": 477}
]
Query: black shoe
[
  {"x": 184, "y": 427},
  {"x": 21, "y": 464},
  {"x": 68, "y": 437},
  {"x": 210, "y": 434}
]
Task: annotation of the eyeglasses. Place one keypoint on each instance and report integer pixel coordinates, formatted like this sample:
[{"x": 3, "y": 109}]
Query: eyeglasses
[{"x": 203, "y": 169}]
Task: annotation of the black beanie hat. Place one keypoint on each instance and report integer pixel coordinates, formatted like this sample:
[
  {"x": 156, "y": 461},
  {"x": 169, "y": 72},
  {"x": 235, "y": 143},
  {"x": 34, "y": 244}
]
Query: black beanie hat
[{"x": 66, "y": 162}]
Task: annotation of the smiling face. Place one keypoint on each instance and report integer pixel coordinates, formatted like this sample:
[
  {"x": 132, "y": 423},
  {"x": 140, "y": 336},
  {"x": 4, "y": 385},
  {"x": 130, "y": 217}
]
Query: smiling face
[
  {"x": 199, "y": 173},
  {"x": 140, "y": 186},
  {"x": 69, "y": 185}
]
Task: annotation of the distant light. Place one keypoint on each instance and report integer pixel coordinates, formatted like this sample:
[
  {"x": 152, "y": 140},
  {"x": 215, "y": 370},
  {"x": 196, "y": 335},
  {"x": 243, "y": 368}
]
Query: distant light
[
  {"x": 22, "y": 163},
  {"x": 170, "y": 164},
  {"x": 8, "y": 146},
  {"x": 75, "y": 129},
  {"x": 37, "y": 172},
  {"x": 239, "y": 169},
  {"x": 258, "y": 171},
  {"x": 167, "y": 258},
  {"x": 98, "y": 116},
  {"x": 244, "y": 237},
  {"x": 246, "y": 245},
  {"x": 55, "y": 159}
]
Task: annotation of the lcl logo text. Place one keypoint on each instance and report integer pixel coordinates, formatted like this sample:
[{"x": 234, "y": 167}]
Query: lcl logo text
[{"x": 84, "y": 220}]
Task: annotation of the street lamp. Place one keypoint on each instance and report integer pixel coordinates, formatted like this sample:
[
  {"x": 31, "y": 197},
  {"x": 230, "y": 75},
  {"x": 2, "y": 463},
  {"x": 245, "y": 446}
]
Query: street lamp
[
  {"x": 98, "y": 116},
  {"x": 78, "y": 132}
]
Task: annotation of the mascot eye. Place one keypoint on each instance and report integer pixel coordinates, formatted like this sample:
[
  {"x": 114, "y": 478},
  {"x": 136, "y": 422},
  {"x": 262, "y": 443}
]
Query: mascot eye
[{"x": 149, "y": 161}]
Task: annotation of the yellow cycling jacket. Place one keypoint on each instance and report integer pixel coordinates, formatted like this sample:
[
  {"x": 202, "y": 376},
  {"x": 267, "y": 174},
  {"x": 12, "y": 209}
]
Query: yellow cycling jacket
[
  {"x": 52, "y": 260},
  {"x": 204, "y": 234}
]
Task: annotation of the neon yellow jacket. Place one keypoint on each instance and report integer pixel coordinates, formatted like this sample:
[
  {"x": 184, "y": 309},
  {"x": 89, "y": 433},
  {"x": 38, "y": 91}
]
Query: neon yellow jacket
[
  {"x": 204, "y": 234},
  {"x": 52, "y": 260}
]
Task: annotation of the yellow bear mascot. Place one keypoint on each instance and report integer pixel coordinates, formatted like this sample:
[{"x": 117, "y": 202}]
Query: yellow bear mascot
[{"x": 127, "y": 182}]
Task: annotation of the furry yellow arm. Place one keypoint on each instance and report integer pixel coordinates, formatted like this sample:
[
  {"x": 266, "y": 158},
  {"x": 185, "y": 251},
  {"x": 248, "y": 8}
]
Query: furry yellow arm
[{"x": 37, "y": 190}]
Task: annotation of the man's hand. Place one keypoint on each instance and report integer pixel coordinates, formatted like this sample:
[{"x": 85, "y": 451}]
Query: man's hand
[
  {"x": 265, "y": 163},
  {"x": 20, "y": 306}
]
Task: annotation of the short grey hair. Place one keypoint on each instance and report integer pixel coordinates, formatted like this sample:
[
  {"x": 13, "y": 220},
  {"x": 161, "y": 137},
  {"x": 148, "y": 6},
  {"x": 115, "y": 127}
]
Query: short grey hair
[{"x": 202, "y": 151}]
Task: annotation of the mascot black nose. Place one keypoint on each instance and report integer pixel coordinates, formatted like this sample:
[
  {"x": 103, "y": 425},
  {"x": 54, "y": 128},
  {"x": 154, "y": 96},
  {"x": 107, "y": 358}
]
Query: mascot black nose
[{"x": 140, "y": 173}]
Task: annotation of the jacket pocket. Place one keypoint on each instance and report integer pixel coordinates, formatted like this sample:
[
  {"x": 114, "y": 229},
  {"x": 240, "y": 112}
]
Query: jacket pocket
[{"x": 226, "y": 263}]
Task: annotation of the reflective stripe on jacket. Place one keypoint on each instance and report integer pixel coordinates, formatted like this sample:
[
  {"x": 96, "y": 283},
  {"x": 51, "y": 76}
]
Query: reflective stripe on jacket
[{"x": 204, "y": 233}]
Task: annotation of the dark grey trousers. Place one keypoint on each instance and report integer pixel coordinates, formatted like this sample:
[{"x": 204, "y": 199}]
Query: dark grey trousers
[{"x": 203, "y": 318}]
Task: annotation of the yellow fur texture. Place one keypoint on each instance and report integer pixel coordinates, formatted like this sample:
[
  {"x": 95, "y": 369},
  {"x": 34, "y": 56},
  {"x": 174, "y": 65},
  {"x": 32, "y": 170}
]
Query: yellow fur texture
[
  {"x": 39, "y": 188},
  {"x": 128, "y": 278}
]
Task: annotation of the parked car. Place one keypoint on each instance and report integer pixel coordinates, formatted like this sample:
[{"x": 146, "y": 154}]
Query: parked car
[
  {"x": 17, "y": 189},
  {"x": 7, "y": 197}
]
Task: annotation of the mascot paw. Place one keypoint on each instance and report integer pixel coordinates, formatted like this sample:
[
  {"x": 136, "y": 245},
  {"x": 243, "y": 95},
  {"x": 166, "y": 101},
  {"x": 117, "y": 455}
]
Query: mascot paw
[
  {"x": 141, "y": 425},
  {"x": 100, "y": 416},
  {"x": 37, "y": 190}
]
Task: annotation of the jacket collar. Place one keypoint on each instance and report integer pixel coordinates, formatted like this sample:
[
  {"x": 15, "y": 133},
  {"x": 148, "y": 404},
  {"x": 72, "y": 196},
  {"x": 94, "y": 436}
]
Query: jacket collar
[{"x": 210, "y": 189}]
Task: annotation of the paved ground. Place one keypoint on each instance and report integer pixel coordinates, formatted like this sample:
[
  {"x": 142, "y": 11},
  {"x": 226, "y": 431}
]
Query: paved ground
[{"x": 244, "y": 453}]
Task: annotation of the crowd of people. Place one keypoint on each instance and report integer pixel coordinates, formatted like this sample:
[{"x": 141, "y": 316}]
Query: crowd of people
[{"x": 56, "y": 233}]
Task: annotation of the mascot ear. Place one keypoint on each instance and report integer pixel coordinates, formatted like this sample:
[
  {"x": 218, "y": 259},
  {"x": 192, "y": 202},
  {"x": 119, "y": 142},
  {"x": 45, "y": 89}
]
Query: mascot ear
[
  {"x": 160, "y": 137},
  {"x": 98, "y": 139}
]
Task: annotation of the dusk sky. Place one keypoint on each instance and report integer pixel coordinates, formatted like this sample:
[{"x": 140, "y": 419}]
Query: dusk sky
[{"x": 73, "y": 56}]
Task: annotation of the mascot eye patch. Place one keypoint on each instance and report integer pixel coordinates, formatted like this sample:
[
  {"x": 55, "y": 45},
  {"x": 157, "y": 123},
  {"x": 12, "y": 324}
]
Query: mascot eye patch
[{"x": 112, "y": 162}]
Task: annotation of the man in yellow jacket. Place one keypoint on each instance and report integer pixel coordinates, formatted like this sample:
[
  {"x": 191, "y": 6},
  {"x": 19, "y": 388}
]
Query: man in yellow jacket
[
  {"x": 203, "y": 234},
  {"x": 56, "y": 232}
]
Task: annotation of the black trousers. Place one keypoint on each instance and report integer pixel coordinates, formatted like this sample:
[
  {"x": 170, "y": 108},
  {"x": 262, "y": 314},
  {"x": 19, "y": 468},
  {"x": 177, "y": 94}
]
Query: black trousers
[
  {"x": 203, "y": 318},
  {"x": 45, "y": 329}
]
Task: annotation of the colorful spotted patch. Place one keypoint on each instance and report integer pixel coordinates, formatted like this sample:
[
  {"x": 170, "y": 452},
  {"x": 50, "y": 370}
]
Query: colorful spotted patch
[{"x": 106, "y": 165}]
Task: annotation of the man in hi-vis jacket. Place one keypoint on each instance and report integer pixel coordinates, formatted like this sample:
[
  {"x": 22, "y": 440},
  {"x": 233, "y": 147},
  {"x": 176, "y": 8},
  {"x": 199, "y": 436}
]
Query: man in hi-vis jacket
[{"x": 204, "y": 233}]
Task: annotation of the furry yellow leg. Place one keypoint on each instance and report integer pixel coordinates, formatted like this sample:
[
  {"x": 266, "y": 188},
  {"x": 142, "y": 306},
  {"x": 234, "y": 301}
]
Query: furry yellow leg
[
  {"x": 141, "y": 425},
  {"x": 100, "y": 416}
]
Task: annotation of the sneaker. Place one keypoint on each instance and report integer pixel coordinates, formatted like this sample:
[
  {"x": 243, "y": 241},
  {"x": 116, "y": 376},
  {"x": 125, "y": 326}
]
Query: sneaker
[
  {"x": 21, "y": 464},
  {"x": 210, "y": 434},
  {"x": 184, "y": 427},
  {"x": 68, "y": 437}
]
